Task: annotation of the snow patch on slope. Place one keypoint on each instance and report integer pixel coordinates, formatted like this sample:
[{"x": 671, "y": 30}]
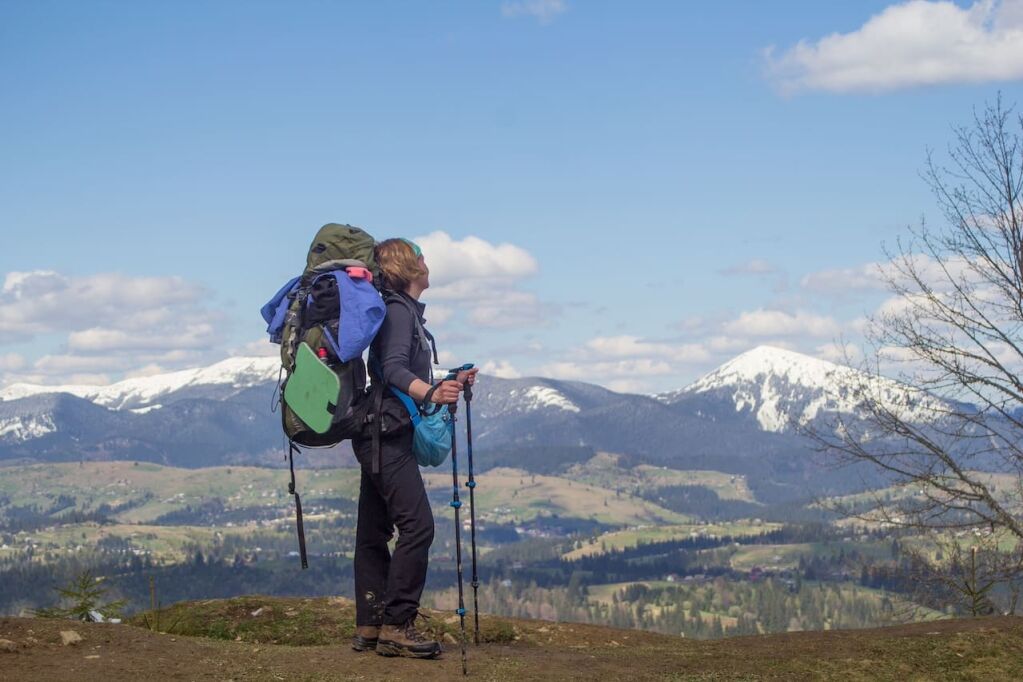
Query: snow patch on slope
[
  {"x": 22, "y": 429},
  {"x": 539, "y": 397},
  {"x": 237, "y": 373}
]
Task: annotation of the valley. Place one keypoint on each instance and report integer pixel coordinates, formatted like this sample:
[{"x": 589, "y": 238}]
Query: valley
[
  {"x": 555, "y": 547},
  {"x": 700, "y": 512}
]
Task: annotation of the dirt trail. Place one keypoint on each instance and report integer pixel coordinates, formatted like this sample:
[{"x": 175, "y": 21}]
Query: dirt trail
[{"x": 978, "y": 649}]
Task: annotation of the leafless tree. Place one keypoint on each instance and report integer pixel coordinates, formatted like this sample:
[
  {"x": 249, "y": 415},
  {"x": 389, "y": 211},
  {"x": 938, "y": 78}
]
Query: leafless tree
[
  {"x": 964, "y": 572},
  {"x": 948, "y": 436}
]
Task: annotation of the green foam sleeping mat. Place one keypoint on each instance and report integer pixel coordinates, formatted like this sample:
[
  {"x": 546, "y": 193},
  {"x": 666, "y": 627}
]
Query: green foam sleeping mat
[{"x": 312, "y": 391}]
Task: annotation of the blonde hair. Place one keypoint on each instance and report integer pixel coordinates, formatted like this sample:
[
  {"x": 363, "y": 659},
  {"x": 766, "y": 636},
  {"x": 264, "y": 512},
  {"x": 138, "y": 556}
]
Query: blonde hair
[{"x": 398, "y": 264}]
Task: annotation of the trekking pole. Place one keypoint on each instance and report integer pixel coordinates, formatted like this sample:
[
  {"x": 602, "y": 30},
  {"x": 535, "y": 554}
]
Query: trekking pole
[
  {"x": 471, "y": 485},
  {"x": 455, "y": 504}
]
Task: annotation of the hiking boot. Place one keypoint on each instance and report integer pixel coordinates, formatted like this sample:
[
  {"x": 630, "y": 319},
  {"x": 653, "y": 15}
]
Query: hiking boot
[
  {"x": 366, "y": 637},
  {"x": 405, "y": 640}
]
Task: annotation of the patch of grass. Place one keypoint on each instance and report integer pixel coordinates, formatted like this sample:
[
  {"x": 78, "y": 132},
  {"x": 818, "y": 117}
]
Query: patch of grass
[
  {"x": 300, "y": 622},
  {"x": 261, "y": 620}
]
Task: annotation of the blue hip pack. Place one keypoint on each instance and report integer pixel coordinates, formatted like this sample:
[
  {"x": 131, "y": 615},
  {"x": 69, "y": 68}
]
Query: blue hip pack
[{"x": 433, "y": 431}]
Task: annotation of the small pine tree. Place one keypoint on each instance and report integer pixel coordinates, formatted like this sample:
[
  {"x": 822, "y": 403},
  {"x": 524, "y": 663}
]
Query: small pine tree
[{"x": 85, "y": 594}]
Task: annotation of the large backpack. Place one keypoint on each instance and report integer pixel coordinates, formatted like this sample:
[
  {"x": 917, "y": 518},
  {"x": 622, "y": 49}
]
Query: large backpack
[
  {"x": 324, "y": 319},
  {"x": 334, "y": 309}
]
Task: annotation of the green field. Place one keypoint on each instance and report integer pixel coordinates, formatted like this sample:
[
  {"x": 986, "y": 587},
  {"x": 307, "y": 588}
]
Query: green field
[
  {"x": 513, "y": 496},
  {"x": 605, "y": 470},
  {"x": 158, "y": 490},
  {"x": 723, "y": 599},
  {"x": 134, "y": 495},
  {"x": 632, "y": 537},
  {"x": 786, "y": 556},
  {"x": 1004, "y": 487}
]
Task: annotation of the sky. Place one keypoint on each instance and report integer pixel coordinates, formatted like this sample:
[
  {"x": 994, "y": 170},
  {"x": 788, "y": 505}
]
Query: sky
[{"x": 628, "y": 194}]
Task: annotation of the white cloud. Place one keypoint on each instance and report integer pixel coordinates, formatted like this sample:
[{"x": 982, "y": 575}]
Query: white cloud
[
  {"x": 910, "y": 44},
  {"x": 258, "y": 348},
  {"x": 504, "y": 310},
  {"x": 763, "y": 323},
  {"x": 605, "y": 372},
  {"x": 46, "y": 302},
  {"x": 438, "y": 315},
  {"x": 473, "y": 258},
  {"x": 62, "y": 365},
  {"x": 626, "y": 363},
  {"x": 844, "y": 281},
  {"x": 188, "y": 335},
  {"x": 500, "y": 368},
  {"x": 11, "y": 361},
  {"x": 89, "y": 379},
  {"x": 898, "y": 305},
  {"x": 875, "y": 277},
  {"x": 482, "y": 279},
  {"x": 632, "y": 347},
  {"x": 149, "y": 370},
  {"x": 841, "y": 353},
  {"x": 543, "y": 10},
  {"x": 105, "y": 324},
  {"x": 728, "y": 345},
  {"x": 756, "y": 266}
]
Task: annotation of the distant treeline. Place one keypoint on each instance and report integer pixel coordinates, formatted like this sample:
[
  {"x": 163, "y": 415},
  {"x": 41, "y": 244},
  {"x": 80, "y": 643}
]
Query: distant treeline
[
  {"x": 28, "y": 586},
  {"x": 29, "y": 518},
  {"x": 705, "y": 504}
]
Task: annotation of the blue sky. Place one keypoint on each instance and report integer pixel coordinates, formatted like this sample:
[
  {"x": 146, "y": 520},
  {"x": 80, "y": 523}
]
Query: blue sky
[{"x": 672, "y": 183}]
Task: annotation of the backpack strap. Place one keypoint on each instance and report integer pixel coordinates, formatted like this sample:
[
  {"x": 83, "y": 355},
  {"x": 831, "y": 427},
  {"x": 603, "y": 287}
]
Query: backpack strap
[
  {"x": 378, "y": 405},
  {"x": 377, "y": 427},
  {"x": 292, "y": 449},
  {"x": 295, "y": 318},
  {"x": 426, "y": 342},
  {"x": 425, "y": 338}
]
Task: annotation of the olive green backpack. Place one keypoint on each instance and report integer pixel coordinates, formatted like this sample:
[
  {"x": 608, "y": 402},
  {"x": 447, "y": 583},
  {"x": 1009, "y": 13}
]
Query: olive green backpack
[
  {"x": 324, "y": 375},
  {"x": 335, "y": 247}
]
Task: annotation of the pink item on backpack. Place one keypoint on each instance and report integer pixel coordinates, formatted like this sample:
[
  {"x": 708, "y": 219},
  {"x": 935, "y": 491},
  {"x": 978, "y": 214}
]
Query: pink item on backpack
[{"x": 359, "y": 273}]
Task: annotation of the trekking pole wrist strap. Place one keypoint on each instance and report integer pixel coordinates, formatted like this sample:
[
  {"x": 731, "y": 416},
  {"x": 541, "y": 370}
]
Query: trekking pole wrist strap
[{"x": 428, "y": 398}]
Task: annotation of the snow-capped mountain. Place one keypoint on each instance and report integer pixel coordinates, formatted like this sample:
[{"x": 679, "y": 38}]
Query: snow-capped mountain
[
  {"x": 781, "y": 388},
  {"x": 735, "y": 419},
  {"x": 218, "y": 381}
]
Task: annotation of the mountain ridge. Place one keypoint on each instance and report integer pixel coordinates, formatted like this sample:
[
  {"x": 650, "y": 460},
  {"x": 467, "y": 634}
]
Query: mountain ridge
[
  {"x": 140, "y": 392},
  {"x": 245, "y": 371},
  {"x": 188, "y": 419}
]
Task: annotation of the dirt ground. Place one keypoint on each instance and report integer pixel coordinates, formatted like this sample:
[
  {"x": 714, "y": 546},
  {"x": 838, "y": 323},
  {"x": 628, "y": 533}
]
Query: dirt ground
[{"x": 974, "y": 649}]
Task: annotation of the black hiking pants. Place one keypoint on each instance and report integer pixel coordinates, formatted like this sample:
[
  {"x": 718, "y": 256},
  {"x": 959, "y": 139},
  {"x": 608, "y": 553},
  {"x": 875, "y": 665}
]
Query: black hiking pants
[{"x": 388, "y": 586}]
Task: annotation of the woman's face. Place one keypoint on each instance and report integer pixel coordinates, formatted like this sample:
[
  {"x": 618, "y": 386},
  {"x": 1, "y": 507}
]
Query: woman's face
[{"x": 424, "y": 279}]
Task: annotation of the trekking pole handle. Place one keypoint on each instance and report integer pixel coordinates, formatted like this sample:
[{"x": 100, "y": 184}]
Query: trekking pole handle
[{"x": 453, "y": 373}]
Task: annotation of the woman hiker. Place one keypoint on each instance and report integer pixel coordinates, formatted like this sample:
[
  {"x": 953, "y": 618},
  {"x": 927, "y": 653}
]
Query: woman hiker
[{"x": 388, "y": 586}]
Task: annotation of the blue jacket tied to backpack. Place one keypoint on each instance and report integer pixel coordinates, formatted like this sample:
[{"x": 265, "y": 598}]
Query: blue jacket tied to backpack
[{"x": 361, "y": 312}]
